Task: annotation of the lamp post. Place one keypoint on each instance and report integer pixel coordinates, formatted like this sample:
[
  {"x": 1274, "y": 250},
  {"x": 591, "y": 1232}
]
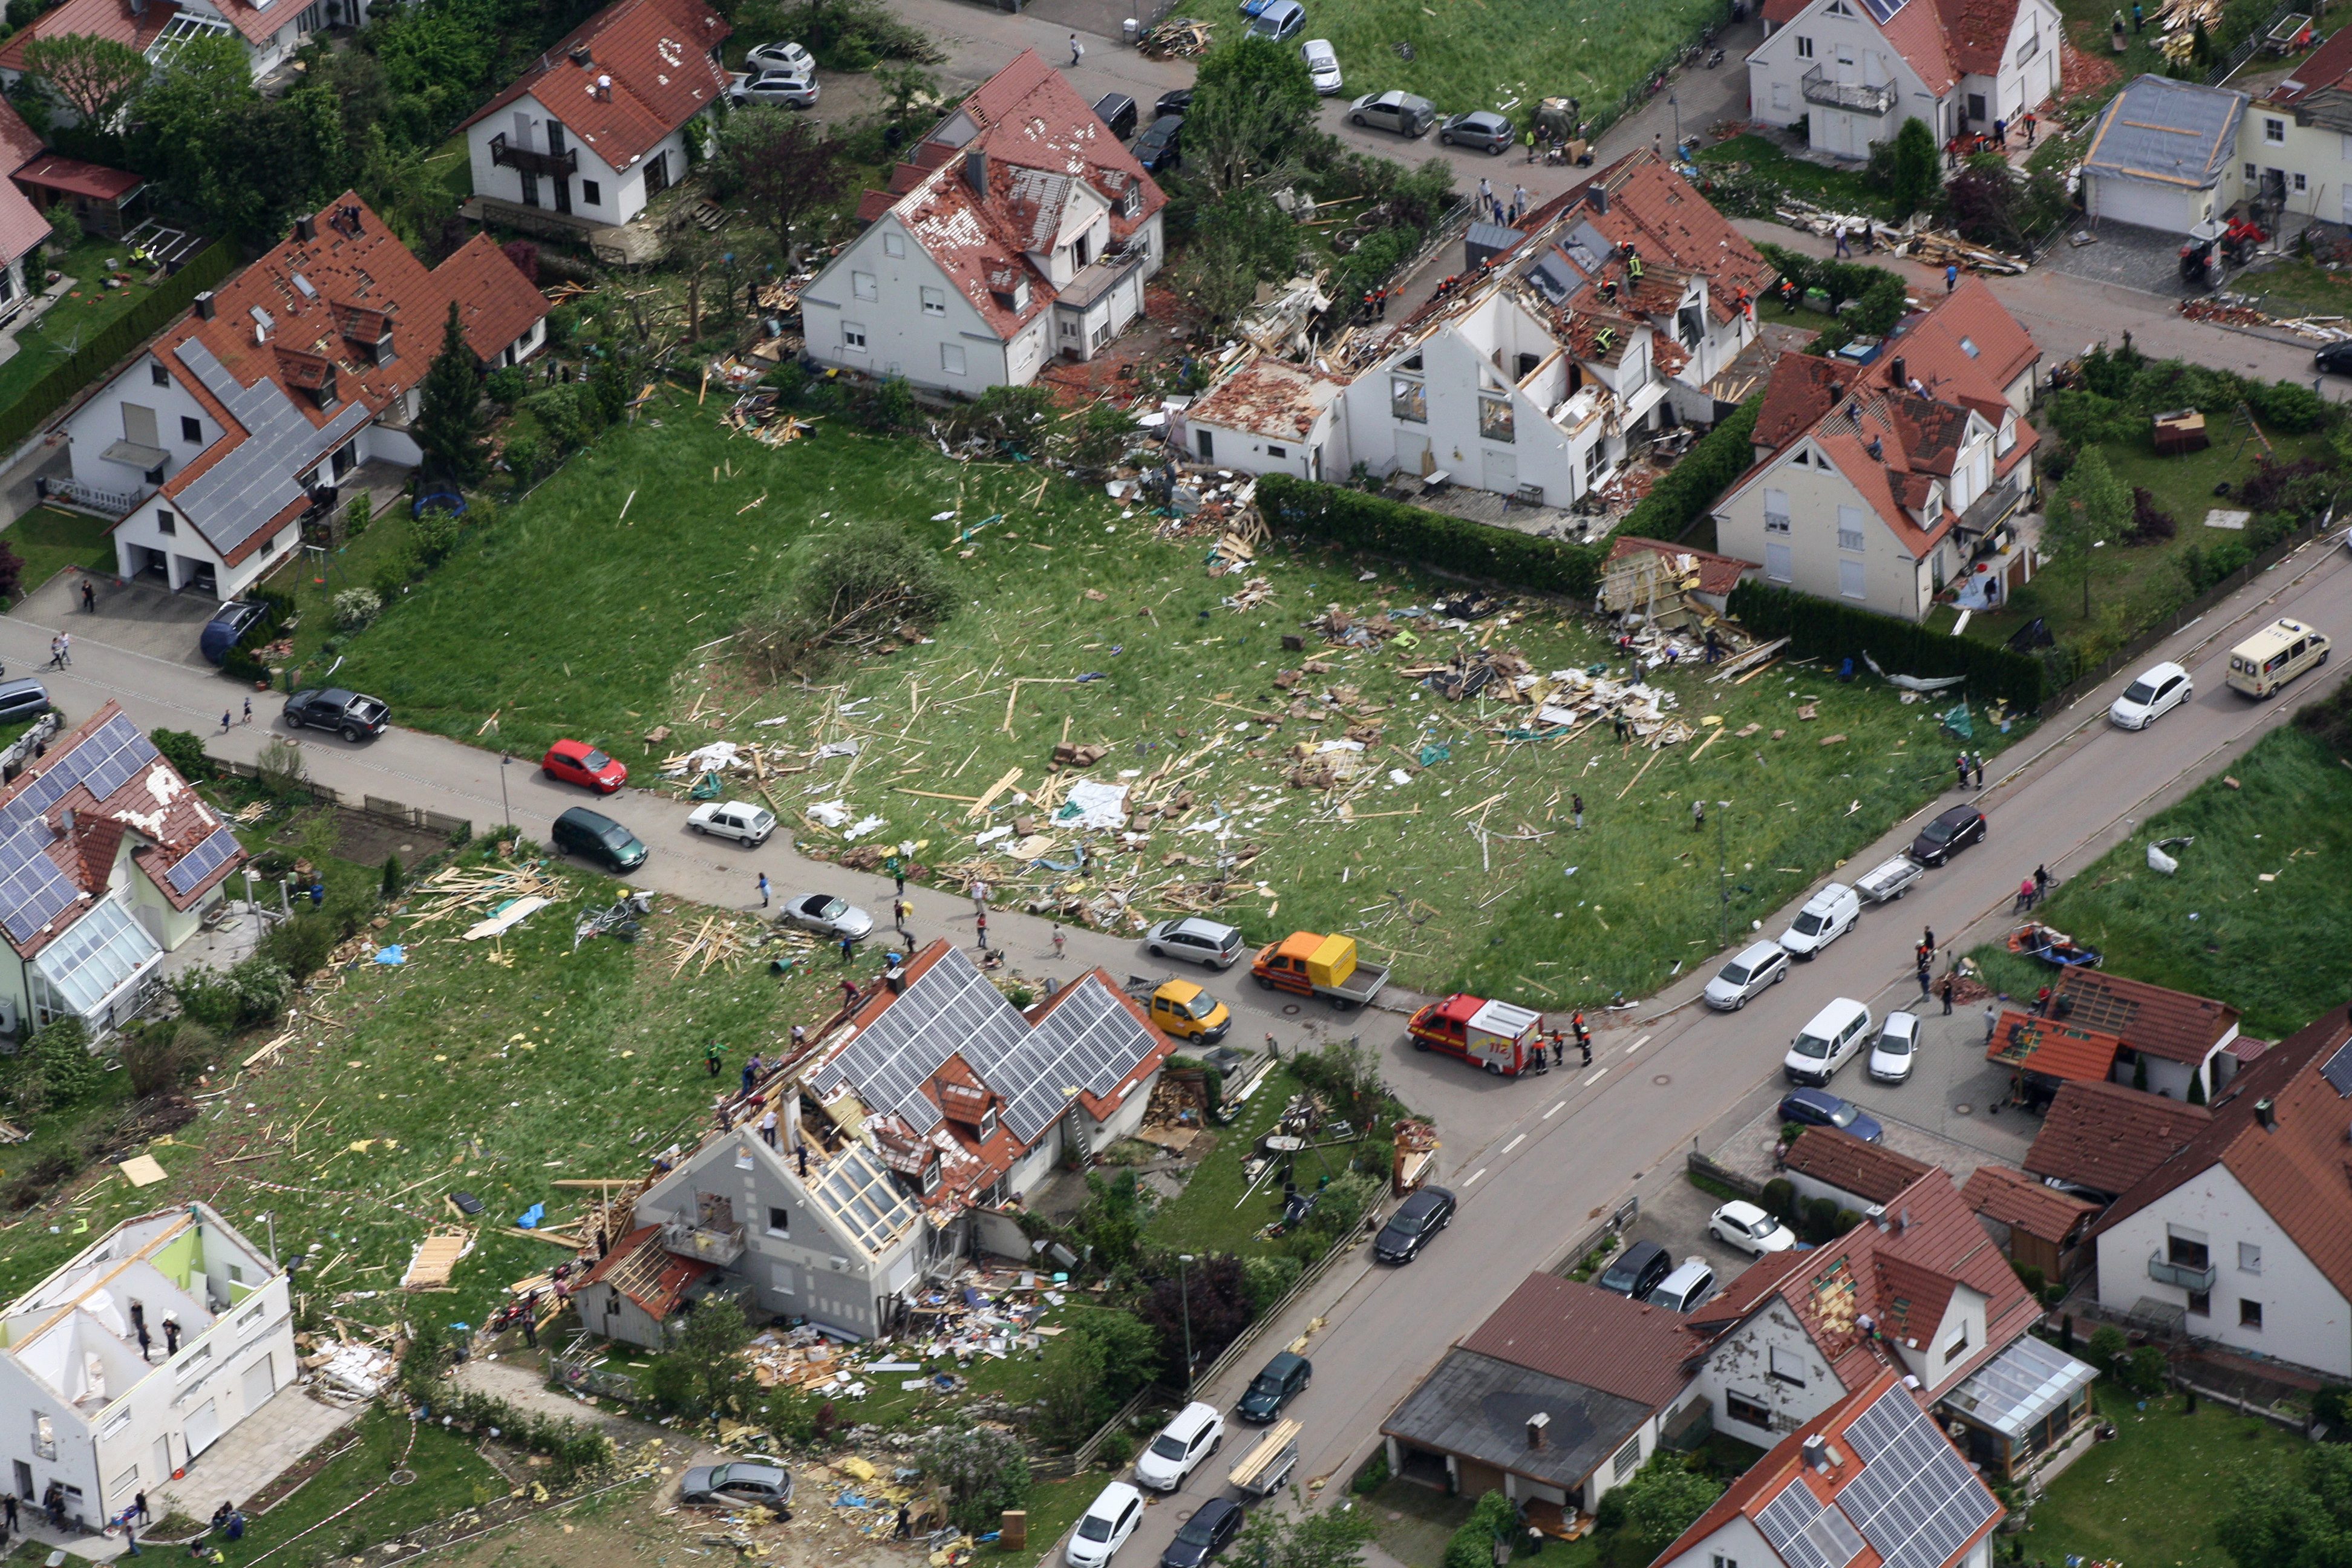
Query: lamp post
[
  {"x": 1184, "y": 1297},
  {"x": 1723, "y": 870},
  {"x": 504, "y": 805}
]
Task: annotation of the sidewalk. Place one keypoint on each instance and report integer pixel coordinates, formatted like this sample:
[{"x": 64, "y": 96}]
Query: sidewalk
[{"x": 254, "y": 1453}]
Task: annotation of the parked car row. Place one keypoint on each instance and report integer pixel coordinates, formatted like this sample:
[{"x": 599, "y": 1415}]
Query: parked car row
[{"x": 1646, "y": 1271}]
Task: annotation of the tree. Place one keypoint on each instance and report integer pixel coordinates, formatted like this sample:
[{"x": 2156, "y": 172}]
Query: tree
[
  {"x": 1664, "y": 1498},
  {"x": 860, "y": 588},
  {"x": 984, "y": 1470},
  {"x": 91, "y": 76},
  {"x": 203, "y": 131},
  {"x": 1252, "y": 104},
  {"x": 449, "y": 425},
  {"x": 2090, "y": 508},
  {"x": 2286, "y": 1521},
  {"x": 1069, "y": 1387},
  {"x": 1915, "y": 168},
  {"x": 788, "y": 167},
  {"x": 1324, "y": 1539},
  {"x": 1492, "y": 1520},
  {"x": 705, "y": 1355},
  {"x": 1210, "y": 1294}
]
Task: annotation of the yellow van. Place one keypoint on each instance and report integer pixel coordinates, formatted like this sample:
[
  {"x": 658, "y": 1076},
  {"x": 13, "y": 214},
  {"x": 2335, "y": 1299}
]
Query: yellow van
[{"x": 2275, "y": 656}]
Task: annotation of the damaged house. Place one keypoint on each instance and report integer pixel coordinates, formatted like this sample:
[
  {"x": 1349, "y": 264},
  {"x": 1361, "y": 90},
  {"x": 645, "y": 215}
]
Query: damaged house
[
  {"x": 935, "y": 1104},
  {"x": 1608, "y": 319}
]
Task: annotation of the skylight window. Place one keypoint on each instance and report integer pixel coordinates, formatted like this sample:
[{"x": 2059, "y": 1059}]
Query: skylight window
[{"x": 1969, "y": 347}]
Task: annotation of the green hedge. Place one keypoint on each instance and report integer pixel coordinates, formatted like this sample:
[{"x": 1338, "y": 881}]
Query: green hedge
[
  {"x": 1820, "y": 628},
  {"x": 1880, "y": 293},
  {"x": 1361, "y": 521},
  {"x": 1690, "y": 487},
  {"x": 117, "y": 338}
]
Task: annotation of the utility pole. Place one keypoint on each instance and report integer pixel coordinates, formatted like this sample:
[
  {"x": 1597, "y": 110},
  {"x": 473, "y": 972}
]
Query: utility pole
[
  {"x": 1723, "y": 870},
  {"x": 1184, "y": 1296}
]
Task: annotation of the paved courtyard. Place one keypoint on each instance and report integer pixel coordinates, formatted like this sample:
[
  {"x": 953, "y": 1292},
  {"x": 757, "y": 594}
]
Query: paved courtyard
[{"x": 253, "y": 1452}]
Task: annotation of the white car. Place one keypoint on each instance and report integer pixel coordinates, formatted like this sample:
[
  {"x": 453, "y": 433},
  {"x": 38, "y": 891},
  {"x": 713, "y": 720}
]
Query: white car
[
  {"x": 1827, "y": 916},
  {"x": 790, "y": 88},
  {"x": 826, "y": 915},
  {"x": 1322, "y": 65},
  {"x": 749, "y": 825},
  {"x": 784, "y": 56},
  {"x": 1761, "y": 964},
  {"x": 2159, "y": 690},
  {"x": 1196, "y": 1433},
  {"x": 1742, "y": 1225},
  {"x": 1893, "y": 1052},
  {"x": 1109, "y": 1520}
]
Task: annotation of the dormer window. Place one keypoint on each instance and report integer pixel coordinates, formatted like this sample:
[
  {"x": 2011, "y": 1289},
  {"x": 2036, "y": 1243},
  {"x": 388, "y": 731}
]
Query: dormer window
[
  {"x": 988, "y": 1124},
  {"x": 1130, "y": 200},
  {"x": 930, "y": 1178}
]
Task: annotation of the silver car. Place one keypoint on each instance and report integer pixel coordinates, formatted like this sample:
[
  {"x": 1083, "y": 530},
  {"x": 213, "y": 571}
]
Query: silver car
[
  {"x": 780, "y": 56},
  {"x": 739, "y": 1485},
  {"x": 1897, "y": 1046},
  {"x": 1198, "y": 940},
  {"x": 1761, "y": 964},
  {"x": 827, "y": 915},
  {"x": 791, "y": 88}
]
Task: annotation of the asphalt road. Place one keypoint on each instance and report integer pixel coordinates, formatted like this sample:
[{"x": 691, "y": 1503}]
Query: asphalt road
[{"x": 1533, "y": 1162}]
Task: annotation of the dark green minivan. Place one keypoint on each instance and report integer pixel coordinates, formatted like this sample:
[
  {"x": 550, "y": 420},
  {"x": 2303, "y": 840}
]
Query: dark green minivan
[{"x": 592, "y": 836}]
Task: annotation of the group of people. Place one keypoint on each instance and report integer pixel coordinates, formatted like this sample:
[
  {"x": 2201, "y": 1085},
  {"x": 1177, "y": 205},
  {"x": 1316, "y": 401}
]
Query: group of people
[
  {"x": 2033, "y": 890},
  {"x": 1504, "y": 213}
]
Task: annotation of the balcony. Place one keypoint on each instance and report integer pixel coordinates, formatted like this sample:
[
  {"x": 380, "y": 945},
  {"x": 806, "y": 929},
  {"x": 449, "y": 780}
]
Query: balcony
[
  {"x": 718, "y": 1247},
  {"x": 1992, "y": 509},
  {"x": 2187, "y": 1276},
  {"x": 1818, "y": 88},
  {"x": 555, "y": 165}
]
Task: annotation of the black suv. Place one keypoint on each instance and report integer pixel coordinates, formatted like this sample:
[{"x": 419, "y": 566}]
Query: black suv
[
  {"x": 1279, "y": 1382},
  {"x": 1638, "y": 1271},
  {"x": 1161, "y": 144},
  {"x": 1418, "y": 1218},
  {"x": 356, "y": 717}
]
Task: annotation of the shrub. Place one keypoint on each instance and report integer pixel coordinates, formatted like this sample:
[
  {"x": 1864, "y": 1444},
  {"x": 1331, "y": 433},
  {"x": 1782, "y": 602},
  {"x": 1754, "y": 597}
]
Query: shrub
[
  {"x": 983, "y": 1469},
  {"x": 2031, "y": 1278},
  {"x": 1114, "y": 1450},
  {"x": 300, "y": 945},
  {"x": 1820, "y": 1220},
  {"x": 435, "y": 534},
  {"x": 356, "y": 516},
  {"x": 394, "y": 877},
  {"x": 1690, "y": 487},
  {"x": 1373, "y": 1475},
  {"x": 1881, "y": 295},
  {"x": 2107, "y": 1347},
  {"x": 184, "y": 751},
  {"x": 1375, "y": 524},
  {"x": 2299, "y": 487},
  {"x": 1779, "y": 1199},
  {"x": 355, "y": 607},
  {"x": 159, "y": 1056},
  {"x": 1817, "y": 627},
  {"x": 2146, "y": 1371},
  {"x": 1492, "y": 1518},
  {"x": 505, "y": 385},
  {"x": 2150, "y": 521},
  {"x": 67, "y": 1072},
  {"x": 2287, "y": 406},
  {"x": 859, "y": 588},
  {"x": 1265, "y": 1281}
]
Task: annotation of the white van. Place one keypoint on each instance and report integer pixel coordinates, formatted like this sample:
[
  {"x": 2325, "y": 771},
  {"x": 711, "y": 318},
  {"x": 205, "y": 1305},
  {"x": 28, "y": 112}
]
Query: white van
[
  {"x": 2275, "y": 656},
  {"x": 1828, "y": 1043},
  {"x": 1827, "y": 916}
]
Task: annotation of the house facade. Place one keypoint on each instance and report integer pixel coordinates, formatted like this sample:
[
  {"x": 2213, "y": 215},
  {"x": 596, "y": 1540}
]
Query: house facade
[
  {"x": 101, "y": 1417},
  {"x": 1824, "y": 1162},
  {"x": 1879, "y": 484},
  {"x": 1018, "y": 232},
  {"x": 2038, "y": 1227},
  {"x": 1855, "y": 70},
  {"x": 2163, "y": 156},
  {"x": 2177, "y": 1043},
  {"x": 116, "y": 861},
  {"x": 235, "y": 424},
  {"x": 2240, "y": 1231},
  {"x": 601, "y": 124},
  {"x": 2296, "y": 146},
  {"x": 270, "y": 32}
]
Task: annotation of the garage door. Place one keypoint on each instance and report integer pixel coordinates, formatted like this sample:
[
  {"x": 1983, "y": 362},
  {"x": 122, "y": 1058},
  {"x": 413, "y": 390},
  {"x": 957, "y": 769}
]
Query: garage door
[
  {"x": 258, "y": 1386},
  {"x": 2138, "y": 202},
  {"x": 203, "y": 1428}
]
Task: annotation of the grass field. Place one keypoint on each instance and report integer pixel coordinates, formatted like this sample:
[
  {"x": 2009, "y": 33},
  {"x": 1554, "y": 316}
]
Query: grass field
[
  {"x": 2297, "y": 286},
  {"x": 1839, "y": 190},
  {"x": 2150, "y": 1498},
  {"x": 1209, "y": 1216},
  {"x": 611, "y": 626},
  {"x": 1506, "y": 55},
  {"x": 48, "y": 541},
  {"x": 449, "y": 1476},
  {"x": 2276, "y": 950}
]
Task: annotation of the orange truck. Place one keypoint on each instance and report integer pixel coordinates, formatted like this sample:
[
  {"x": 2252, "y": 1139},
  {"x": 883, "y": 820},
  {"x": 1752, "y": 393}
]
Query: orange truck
[
  {"x": 1506, "y": 1040},
  {"x": 1306, "y": 963}
]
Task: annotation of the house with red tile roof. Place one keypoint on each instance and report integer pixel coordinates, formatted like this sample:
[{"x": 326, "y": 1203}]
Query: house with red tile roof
[
  {"x": 1869, "y": 1482},
  {"x": 2244, "y": 1235},
  {"x": 2294, "y": 132},
  {"x": 889, "y": 1150},
  {"x": 1917, "y": 1291},
  {"x": 1018, "y": 231},
  {"x": 2100, "y": 1138},
  {"x": 2037, "y": 1225},
  {"x": 1855, "y": 70},
  {"x": 240, "y": 419},
  {"x": 1554, "y": 1401},
  {"x": 271, "y": 31},
  {"x": 103, "y": 199},
  {"x": 108, "y": 860},
  {"x": 599, "y": 126},
  {"x": 1879, "y": 484},
  {"x": 1828, "y": 1163},
  {"x": 2180, "y": 1041}
]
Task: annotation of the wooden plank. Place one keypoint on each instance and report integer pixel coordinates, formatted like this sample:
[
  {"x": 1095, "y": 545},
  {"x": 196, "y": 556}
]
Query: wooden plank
[{"x": 980, "y": 808}]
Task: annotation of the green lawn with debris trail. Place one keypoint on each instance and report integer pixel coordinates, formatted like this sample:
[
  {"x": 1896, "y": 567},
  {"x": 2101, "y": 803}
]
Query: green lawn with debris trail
[{"x": 1445, "y": 843}]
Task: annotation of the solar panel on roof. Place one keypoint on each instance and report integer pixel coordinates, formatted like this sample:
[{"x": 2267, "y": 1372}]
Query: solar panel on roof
[
  {"x": 1883, "y": 10},
  {"x": 1783, "y": 1522},
  {"x": 111, "y": 757},
  {"x": 33, "y": 891},
  {"x": 1916, "y": 1499},
  {"x": 2338, "y": 1070},
  {"x": 1833, "y": 1535},
  {"x": 189, "y": 872}
]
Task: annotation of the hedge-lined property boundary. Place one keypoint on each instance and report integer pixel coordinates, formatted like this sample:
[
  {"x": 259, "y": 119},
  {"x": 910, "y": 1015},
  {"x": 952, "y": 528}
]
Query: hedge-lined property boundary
[
  {"x": 1820, "y": 628},
  {"x": 1384, "y": 527},
  {"x": 117, "y": 338}
]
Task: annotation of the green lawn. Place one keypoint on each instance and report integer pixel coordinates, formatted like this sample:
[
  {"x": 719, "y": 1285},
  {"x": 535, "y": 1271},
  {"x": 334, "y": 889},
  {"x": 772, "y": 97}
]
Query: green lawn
[
  {"x": 314, "y": 583},
  {"x": 449, "y": 1476},
  {"x": 570, "y": 619},
  {"x": 49, "y": 539},
  {"x": 2297, "y": 285},
  {"x": 2276, "y": 950},
  {"x": 1842, "y": 190},
  {"x": 84, "y": 309},
  {"x": 1209, "y": 1214},
  {"x": 1054, "y": 1507},
  {"x": 1504, "y": 54},
  {"x": 2149, "y": 1498}
]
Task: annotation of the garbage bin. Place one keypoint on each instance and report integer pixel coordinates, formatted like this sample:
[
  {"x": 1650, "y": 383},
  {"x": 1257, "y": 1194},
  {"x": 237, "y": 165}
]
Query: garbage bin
[{"x": 1132, "y": 30}]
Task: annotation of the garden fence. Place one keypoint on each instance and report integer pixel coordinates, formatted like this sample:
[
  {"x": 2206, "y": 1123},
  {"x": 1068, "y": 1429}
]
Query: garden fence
[
  {"x": 112, "y": 342},
  {"x": 2243, "y": 49},
  {"x": 392, "y": 811}
]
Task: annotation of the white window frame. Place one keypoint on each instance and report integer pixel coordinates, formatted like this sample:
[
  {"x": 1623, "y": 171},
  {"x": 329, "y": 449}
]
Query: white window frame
[
  {"x": 935, "y": 300},
  {"x": 1804, "y": 46},
  {"x": 862, "y": 285},
  {"x": 2274, "y": 132},
  {"x": 894, "y": 244},
  {"x": 852, "y": 337},
  {"x": 1853, "y": 580},
  {"x": 1777, "y": 519},
  {"x": 1850, "y": 529},
  {"x": 951, "y": 359},
  {"x": 2249, "y": 1257}
]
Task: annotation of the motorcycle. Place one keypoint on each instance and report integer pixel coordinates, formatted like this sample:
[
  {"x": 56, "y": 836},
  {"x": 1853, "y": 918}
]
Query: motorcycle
[{"x": 1715, "y": 57}]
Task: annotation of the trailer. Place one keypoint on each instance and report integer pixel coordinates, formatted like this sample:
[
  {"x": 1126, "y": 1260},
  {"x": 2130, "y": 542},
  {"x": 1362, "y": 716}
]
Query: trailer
[
  {"x": 1268, "y": 1466},
  {"x": 1884, "y": 884}
]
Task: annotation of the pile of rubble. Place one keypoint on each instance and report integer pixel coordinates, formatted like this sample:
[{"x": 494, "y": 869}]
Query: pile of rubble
[
  {"x": 1177, "y": 38},
  {"x": 1910, "y": 238},
  {"x": 2238, "y": 311}
]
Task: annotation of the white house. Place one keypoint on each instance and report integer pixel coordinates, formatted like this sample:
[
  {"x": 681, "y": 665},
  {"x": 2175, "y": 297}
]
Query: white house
[
  {"x": 1872, "y": 1479},
  {"x": 99, "y": 1415},
  {"x": 2181, "y": 1041},
  {"x": 936, "y": 1103},
  {"x": 2242, "y": 1231},
  {"x": 2297, "y": 145},
  {"x": 2163, "y": 156},
  {"x": 112, "y": 860},
  {"x": 236, "y": 423},
  {"x": 1018, "y": 231},
  {"x": 1855, "y": 70},
  {"x": 271, "y": 31},
  {"x": 1877, "y": 484},
  {"x": 599, "y": 126}
]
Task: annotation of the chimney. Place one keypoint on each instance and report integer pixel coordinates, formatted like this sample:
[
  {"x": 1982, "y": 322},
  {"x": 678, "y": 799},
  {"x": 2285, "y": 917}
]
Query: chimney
[
  {"x": 1900, "y": 379},
  {"x": 1817, "y": 1453},
  {"x": 580, "y": 56},
  {"x": 1536, "y": 1425},
  {"x": 306, "y": 227},
  {"x": 1596, "y": 197},
  {"x": 975, "y": 172},
  {"x": 2266, "y": 1113},
  {"x": 205, "y": 306},
  {"x": 66, "y": 827}
]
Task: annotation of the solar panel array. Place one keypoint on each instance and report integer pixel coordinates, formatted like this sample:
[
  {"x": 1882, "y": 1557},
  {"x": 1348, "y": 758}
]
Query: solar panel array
[
  {"x": 33, "y": 890},
  {"x": 1883, "y": 10},
  {"x": 1089, "y": 1041},
  {"x": 1784, "y": 1522},
  {"x": 2338, "y": 1070},
  {"x": 188, "y": 873},
  {"x": 1916, "y": 1499}
]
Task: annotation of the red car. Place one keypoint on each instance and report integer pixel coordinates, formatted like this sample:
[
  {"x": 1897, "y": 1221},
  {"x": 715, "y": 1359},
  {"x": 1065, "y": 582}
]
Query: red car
[{"x": 576, "y": 762}]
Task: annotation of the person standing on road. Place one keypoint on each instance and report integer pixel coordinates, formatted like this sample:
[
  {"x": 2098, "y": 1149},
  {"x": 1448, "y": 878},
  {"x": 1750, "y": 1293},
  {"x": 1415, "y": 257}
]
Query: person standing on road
[
  {"x": 764, "y": 889},
  {"x": 1077, "y": 51},
  {"x": 65, "y": 649},
  {"x": 1927, "y": 941},
  {"x": 1992, "y": 1021},
  {"x": 1059, "y": 940},
  {"x": 88, "y": 598},
  {"x": 898, "y": 871},
  {"x": 1948, "y": 995},
  {"x": 2041, "y": 880},
  {"x": 980, "y": 931},
  {"x": 1960, "y": 766},
  {"x": 898, "y": 912},
  {"x": 1576, "y": 810},
  {"x": 249, "y": 712},
  {"x": 225, "y": 717},
  {"x": 1925, "y": 981},
  {"x": 1976, "y": 768},
  {"x": 1837, "y": 238},
  {"x": 978, "y": 899}
]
